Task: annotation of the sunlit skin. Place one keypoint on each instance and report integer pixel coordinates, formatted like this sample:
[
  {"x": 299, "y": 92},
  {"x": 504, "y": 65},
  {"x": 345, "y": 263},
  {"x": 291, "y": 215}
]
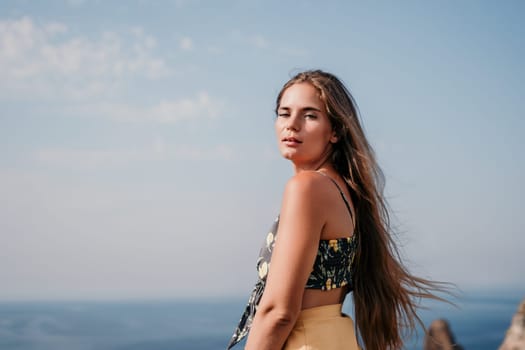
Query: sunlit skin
[
  {"x": 304, "y": 133},
  {"x": 312, "y": 209}
]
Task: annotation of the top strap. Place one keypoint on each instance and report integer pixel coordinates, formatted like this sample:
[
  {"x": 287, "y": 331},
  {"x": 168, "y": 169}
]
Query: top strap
[{"x": 341, "y": 192}]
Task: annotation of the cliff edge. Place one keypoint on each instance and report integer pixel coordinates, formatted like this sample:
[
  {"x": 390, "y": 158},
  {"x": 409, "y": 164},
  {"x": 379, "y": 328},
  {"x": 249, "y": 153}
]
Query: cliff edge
[
  {"x": 515, "y": 337},
  {"x": 440, "y": 337}
]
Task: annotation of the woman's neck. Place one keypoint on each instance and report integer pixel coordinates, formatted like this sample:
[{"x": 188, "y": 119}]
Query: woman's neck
[{"x": 324, "y": 166}]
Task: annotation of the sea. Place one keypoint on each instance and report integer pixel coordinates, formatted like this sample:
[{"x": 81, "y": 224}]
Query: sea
[{"x": 478, "y": 320}]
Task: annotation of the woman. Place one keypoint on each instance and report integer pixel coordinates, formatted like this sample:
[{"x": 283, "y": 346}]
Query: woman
[{"x": 332, "y": 236}]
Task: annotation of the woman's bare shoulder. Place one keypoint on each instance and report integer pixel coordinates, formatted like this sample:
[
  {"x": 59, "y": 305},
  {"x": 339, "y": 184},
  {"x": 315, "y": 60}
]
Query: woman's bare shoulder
[{"x": 308, "y": 184}]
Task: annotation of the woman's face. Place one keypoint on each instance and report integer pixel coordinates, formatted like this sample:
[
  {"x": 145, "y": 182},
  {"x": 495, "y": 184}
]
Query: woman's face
[{"x": 304, "y": 132}]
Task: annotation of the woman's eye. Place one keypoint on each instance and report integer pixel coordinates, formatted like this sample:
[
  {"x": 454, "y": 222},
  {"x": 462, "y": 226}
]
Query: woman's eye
[
  {"x": 283, "y": 115},
  {"x": 310, "y": 116}
]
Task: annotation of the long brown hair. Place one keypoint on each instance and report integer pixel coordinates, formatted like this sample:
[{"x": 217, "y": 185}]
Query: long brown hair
[{"x": 385, "y": 293}]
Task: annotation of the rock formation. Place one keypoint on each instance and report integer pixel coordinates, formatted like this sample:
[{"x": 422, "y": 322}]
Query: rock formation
[
  {"x": 440, "y": 337},
  {"x": 515, "y": 337}
]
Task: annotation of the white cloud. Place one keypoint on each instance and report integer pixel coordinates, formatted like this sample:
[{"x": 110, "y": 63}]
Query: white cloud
[
  {"x": 88, "y": 159},
  {"x": 45, "y": 59},
  {"x": 158, "y": 151},
  {"x": 259, "y": 41},
  {"x": 214, "y": 49},
  {"x": 293, "y": 51},
  {"x": 75, "y": 3},
  {"x": 201, "y": 107},
  {"x": 186, "y": 44},
  {"x": 189, "y": 152},
  {"x": 256, "y": 40},
  {"x": 183, "y": 3}
]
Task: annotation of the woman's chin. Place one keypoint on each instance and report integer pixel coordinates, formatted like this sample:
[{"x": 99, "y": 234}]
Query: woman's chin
[{"x": 288, "y": 155}]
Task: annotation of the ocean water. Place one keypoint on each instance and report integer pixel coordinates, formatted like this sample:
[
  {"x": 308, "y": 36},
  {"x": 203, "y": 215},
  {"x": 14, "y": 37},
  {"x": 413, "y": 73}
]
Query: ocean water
[{"x": 479, "y": 323}]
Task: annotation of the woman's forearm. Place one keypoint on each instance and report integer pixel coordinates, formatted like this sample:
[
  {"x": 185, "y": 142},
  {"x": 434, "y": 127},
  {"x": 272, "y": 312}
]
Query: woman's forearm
[{"x": 270, "y": 329}]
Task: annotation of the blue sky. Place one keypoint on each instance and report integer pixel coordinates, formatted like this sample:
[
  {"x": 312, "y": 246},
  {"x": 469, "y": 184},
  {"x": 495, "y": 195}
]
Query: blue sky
[{"x": 137, "y": 154}]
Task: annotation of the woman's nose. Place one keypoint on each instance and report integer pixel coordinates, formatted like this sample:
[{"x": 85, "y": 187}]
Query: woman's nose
[{"x": 293, "y": 123}]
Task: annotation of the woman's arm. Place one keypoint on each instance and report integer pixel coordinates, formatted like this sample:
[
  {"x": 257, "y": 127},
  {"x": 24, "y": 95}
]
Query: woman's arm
[{"x": 302, "y": 217}]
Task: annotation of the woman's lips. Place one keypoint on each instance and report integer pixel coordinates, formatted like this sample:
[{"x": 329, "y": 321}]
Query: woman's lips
[{"x": 291, "y": 142}]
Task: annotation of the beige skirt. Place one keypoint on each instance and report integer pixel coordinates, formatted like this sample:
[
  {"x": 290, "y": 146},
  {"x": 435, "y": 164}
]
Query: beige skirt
[{"x": 322, "y": 328}]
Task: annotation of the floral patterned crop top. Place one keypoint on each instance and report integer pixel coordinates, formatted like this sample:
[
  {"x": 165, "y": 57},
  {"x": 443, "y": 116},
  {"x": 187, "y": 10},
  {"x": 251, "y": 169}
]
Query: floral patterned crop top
[{"x": 332, "y": 269}]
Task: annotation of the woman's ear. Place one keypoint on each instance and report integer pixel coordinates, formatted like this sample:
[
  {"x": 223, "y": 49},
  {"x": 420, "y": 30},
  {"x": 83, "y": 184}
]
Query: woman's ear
[{"x": 334, "y": 138}]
